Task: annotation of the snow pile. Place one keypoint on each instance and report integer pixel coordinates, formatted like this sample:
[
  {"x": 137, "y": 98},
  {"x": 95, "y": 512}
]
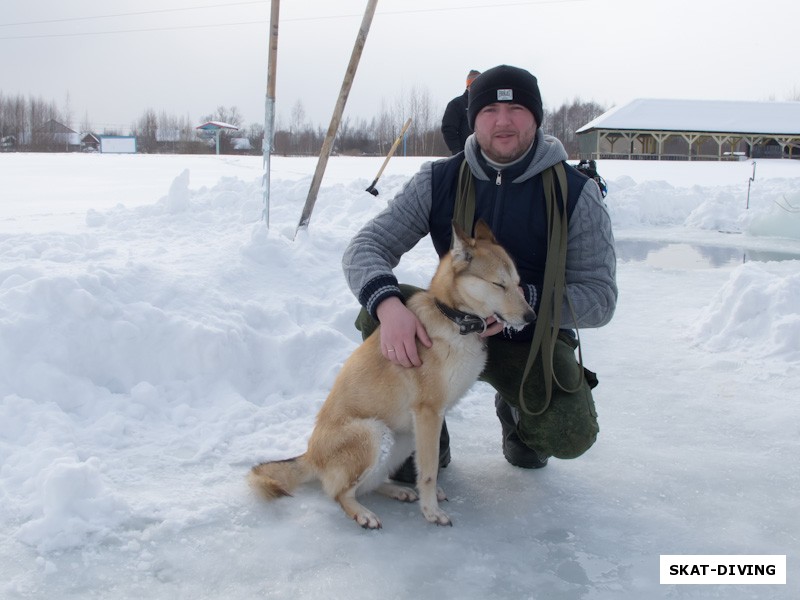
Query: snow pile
[
  {"x": 757, "y": 313},
  {"x": 652, "y": 203},
  {"x": 780, "y": 211},
  {"x": 77, "y": 505},
  {"x": 164, "y": 326},
  {"x": 773, "y": 210},
  {"x": 721, "y": 210}
]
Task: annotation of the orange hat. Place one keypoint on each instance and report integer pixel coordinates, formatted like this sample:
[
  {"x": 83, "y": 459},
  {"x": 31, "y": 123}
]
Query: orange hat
[{"x": 471, "y": 76}]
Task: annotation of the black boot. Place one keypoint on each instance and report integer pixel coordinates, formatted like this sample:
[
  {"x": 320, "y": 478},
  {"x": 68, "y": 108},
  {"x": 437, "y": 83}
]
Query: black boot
[
  {"x": 407, "y": 473},
  {"x": 515, "y": 451}
]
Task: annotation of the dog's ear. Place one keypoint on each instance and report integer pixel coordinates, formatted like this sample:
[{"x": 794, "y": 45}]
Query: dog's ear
[
  {"x": 462, "y": 244},
  {"x": 483, "y": 232}
]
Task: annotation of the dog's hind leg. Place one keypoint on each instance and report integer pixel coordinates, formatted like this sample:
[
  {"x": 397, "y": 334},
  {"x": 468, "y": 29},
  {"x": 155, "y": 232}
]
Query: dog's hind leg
[
  {"x": 348, "y": 463},
  {"x": 357, "y": 511}
]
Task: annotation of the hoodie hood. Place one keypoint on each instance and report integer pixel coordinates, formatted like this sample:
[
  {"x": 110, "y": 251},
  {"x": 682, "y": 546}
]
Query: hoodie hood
[{"x": 548, "y": 152}]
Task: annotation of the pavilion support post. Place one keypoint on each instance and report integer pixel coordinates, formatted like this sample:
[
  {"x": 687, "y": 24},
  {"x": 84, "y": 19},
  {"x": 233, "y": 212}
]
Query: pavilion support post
[
  {"x": 721, "y": 140},
  {"x": 690, "y": 138},
  {"x": 660, "y": 139}
]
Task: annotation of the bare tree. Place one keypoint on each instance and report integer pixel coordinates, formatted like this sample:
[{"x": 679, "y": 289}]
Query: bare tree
[
  {"x": 425, "y": 123},
  {"x": 12, "y": 118},
  {"x": 66, "y": 116},
  {"x": 255, "y": 135},
  {"x": 86, "y": 124},
  {"x": 146, "y": 132},
  {"x": 231, "y": 115},
  {"x": 41, "y": 125},
  {"x": 298, "y": 122},
  {"x": 564, "y": 121},
  {"x": 384, "y": 128}
]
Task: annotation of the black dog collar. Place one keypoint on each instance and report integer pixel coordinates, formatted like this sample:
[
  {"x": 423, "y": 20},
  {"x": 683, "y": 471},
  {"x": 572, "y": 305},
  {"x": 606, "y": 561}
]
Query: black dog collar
[{"x": 466, "y": 322}]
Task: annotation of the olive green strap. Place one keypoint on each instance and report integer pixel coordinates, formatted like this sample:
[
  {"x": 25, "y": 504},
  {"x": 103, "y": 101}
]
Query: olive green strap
[
  {"x": 562, "y": 274},
  {"x": 548, "y": 322},
  {"x": 464, "y": 210}
]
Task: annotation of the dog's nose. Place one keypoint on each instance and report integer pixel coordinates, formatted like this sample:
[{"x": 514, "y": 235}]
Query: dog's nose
[{"x": 530, "y": 316}]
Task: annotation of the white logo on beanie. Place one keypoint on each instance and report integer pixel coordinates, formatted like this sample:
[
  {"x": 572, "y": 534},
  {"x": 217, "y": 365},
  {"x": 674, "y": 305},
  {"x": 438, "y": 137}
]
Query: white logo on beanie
[{"x": 505, "y": 95}]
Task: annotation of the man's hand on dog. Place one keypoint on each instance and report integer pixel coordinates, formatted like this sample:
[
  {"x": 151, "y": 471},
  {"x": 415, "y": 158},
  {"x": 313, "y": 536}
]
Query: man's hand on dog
[{"x": 400, "y": 330}]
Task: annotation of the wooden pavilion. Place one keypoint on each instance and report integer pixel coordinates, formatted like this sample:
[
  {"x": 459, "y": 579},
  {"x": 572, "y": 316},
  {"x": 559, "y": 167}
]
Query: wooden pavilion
[{"x": 650, "y": 129}]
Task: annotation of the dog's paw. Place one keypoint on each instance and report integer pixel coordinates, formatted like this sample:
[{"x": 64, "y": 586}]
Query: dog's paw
[
  {"x": 398, "y": 492},
  {"x": 406, "y": 495},
  {"x": 436, "y": 516},
  {"x": 368, "y": 520},
  {"x": 440, "y": 495}
]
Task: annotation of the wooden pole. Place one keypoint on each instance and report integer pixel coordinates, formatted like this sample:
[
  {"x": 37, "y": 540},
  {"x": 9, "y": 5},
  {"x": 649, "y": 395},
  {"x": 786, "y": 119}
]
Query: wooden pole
[
  {"x": 269, "y": 106},
  {"x": 327, "y": 145}
]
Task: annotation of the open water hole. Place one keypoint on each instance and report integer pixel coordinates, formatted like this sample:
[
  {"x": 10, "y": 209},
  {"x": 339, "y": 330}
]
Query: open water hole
[{"x": 667, "y": 255}]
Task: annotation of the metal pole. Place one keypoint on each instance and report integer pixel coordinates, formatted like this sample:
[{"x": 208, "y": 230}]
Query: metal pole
[
  {"x": 269, "y": 106},
  {"x": 749, "y": 181},
  {"x": 327, "y": 145}
]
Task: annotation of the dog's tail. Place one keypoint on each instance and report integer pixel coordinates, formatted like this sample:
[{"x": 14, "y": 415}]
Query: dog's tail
[{"x": 279, "y": 478}]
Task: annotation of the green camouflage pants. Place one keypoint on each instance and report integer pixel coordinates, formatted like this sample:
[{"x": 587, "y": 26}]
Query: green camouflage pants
[{"x": 567, "y": 427}]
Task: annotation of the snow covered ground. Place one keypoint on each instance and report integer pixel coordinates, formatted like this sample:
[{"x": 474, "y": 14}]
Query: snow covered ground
[{"x": 156, "y": 340}]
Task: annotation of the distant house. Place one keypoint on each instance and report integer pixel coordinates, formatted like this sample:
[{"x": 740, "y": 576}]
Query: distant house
[
  {"x": 90, "y": 143},
  {"x": 242, "y": 145},
  {"x": 55, "y": 136},
  {"x": 650, "y": 129},
  {"x": 8, "y": 144}
]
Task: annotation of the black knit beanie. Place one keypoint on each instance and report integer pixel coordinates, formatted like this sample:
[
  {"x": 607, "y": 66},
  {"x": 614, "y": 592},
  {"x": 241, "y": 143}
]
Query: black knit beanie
[{"x": 505, "y": 84}]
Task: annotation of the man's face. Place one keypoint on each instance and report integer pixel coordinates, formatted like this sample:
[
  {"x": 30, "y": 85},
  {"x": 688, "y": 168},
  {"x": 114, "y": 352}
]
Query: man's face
[{"x": 504, "y": 131}]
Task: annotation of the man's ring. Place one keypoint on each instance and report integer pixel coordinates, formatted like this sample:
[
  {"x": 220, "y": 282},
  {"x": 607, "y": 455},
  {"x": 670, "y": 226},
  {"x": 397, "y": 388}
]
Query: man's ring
[{"x": 390, "y": 350}]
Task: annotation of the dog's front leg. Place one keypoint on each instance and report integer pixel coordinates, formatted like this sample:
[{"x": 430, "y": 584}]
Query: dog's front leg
[{"x": 427, "y": 427}]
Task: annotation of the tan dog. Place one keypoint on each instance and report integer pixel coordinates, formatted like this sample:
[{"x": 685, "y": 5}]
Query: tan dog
[{"x": 377, "y": 410}]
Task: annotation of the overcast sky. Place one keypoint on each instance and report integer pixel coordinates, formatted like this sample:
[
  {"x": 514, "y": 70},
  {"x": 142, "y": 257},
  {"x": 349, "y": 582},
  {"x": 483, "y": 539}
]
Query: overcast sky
[{"x": 187, "y": 57}]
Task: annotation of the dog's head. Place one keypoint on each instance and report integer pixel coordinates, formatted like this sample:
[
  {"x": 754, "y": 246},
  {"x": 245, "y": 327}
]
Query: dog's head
[{"x": 486, "y": 282}]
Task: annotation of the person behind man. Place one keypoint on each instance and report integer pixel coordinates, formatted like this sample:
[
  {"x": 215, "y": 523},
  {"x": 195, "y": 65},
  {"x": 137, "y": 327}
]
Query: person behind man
[
  {"x": 508, "y": 158},
  {"x": 455, "y": 125}
]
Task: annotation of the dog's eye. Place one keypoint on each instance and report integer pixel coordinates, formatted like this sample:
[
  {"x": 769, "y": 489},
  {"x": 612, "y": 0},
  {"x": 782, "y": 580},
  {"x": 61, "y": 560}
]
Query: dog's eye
[{"x": 500, "y": 285}]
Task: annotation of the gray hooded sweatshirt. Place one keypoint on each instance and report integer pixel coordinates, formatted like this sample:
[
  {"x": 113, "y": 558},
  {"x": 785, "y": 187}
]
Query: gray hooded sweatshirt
[{"x": 591, "y": 260}]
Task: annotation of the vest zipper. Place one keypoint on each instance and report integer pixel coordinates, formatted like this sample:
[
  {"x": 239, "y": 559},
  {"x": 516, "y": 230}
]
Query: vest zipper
[{"x": 498, "y": 203}]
